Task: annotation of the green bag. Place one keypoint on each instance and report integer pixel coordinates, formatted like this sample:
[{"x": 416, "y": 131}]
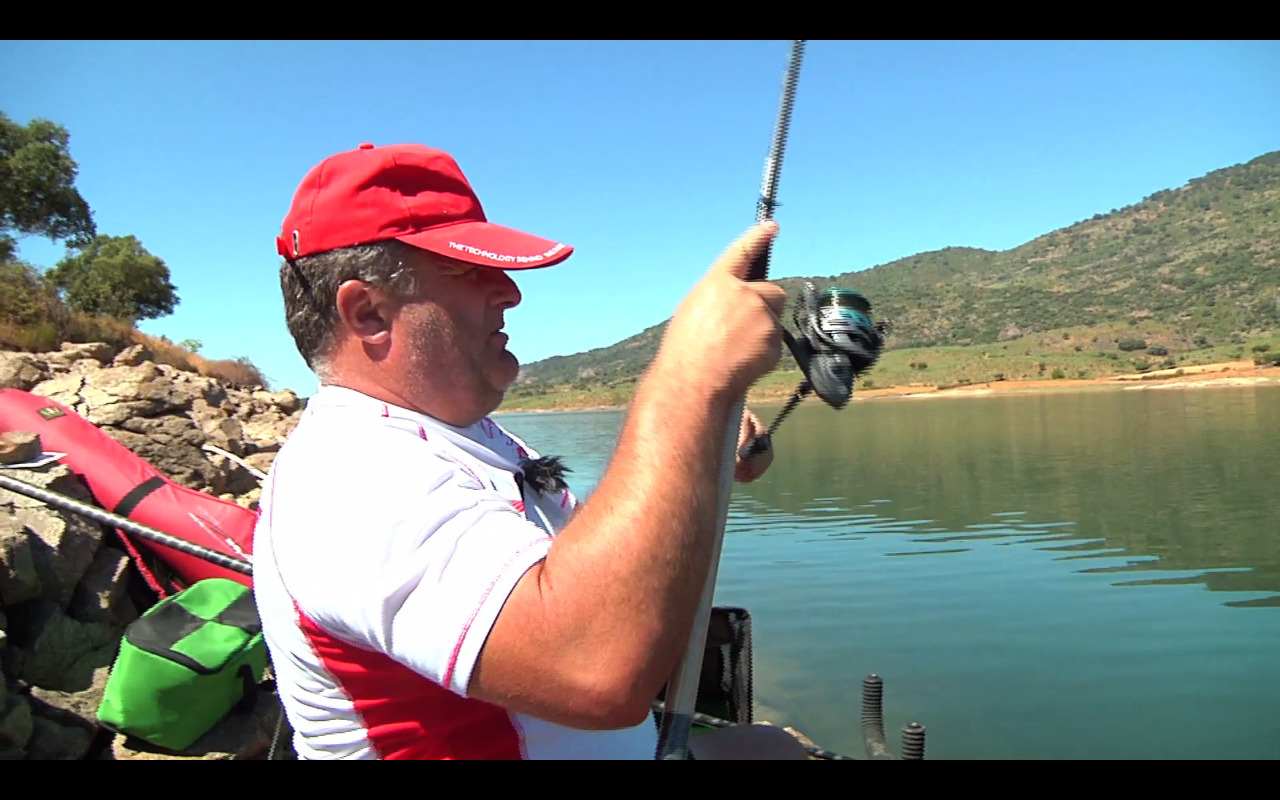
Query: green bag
[{"x": 185, "y": 664}]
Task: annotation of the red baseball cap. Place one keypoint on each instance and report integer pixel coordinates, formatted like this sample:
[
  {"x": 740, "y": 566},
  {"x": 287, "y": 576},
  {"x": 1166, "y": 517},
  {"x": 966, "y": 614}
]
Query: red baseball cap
[{"x": 409, "y": 192}]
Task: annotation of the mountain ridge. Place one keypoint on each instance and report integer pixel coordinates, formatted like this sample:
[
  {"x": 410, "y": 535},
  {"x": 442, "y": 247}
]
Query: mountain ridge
[{"x": 1194, "y": 264}]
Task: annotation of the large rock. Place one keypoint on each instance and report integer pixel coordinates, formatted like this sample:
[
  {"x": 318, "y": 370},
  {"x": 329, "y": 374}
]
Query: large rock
[
  {"x": 17, "y": 447},
  {"x": 64, "y": 389},
  {"x": 21, "y": 371},
  {"x": 240, "y": 481},
  {"x": 285, "y": 401},
  {"x": 62, "y": 545},
  {"x": 81, "y": 705},
  {"x": 102, "y": 594},
  {"x": 266, "y": 431},
  {"x": 57, "y": 738},
  {"x": 261, "y": 461},
  {"x": 19, "y": 579},
  {"x": 99, "y": 351},
  {"x": 220, "y": 430},
  {"x": 11, "y": 658},
  {"x": 117, "y": 394},
  {"x": 171, "y": 430},
  {"x": 133, "y": 356},
  {"x": 182, "y": 463},
  {"x": 15, "y": 722},
  {"x": 61, "y": 654},
  {"x": 66, "y": 722},
  {"x": 200, "y": 387}
]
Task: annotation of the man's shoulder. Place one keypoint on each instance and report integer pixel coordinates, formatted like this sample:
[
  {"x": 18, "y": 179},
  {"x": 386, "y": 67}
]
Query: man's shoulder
[
  {"x": 387, "y": 487},
  {"x": 373, "y": 453},
  {"x": 365, "y": 498}
]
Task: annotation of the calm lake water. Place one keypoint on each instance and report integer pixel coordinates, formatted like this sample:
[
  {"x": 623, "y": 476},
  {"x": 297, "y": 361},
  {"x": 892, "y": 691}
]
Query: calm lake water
[{"x": 1067, "y": 576}]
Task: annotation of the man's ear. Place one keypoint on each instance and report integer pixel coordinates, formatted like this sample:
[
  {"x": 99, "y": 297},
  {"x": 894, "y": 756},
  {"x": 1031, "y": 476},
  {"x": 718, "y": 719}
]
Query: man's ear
[{"x": 365, "y": 312}]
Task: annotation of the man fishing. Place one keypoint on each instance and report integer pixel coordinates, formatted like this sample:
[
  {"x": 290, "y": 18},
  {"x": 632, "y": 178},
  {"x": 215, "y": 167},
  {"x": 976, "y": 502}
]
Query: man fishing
[{"x": 429, "y": 586}]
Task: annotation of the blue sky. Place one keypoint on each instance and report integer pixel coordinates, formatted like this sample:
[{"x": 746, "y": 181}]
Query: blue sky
[{"x": 646, "y": 156}]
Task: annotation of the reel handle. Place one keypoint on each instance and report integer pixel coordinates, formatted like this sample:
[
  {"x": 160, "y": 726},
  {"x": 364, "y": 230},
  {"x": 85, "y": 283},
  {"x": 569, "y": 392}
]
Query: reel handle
[{"x": 756, "y": 446}]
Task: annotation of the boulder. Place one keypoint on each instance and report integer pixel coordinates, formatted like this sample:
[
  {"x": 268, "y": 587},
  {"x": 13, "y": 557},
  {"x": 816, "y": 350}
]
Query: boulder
[
  {"x": 133, "y": 356},
  {"x": 21, "y": 371},
  {"x": 64, "y": 389},
  {"x": 19, "y": 446},
  {"x": 98, "y": 351},
  {"x": 61, "y": 653},
  {"x": 101, "y": 595},
  {"x": 15, "y": 722},
  {"x": 19, "y": 579},
  {"x": 61, "y": 546}
]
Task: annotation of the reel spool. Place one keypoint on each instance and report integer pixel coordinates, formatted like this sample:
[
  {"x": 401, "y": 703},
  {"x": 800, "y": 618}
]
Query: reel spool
[{"x": 836, "y": 342}]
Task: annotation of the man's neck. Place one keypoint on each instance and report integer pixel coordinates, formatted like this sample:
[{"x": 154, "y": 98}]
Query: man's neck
[{"x": 387, "y": 394}]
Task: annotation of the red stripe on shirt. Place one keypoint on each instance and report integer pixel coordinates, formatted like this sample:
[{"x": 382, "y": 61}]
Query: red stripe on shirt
[{"x": 407, "y": 716}]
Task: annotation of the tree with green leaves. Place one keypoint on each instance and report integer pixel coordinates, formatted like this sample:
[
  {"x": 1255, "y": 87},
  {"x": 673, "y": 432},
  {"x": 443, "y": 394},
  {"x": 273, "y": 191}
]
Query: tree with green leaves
[
  {"x": 115, "y": 276},
  {"x": 37, "y": 186}
]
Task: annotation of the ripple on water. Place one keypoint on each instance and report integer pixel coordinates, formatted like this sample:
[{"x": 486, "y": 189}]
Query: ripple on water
[{"x": 931, "y": 552}]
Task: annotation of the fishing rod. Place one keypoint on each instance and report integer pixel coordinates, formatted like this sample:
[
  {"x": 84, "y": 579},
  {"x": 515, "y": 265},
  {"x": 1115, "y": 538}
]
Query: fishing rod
[
  {"x": 123, "y": 523},
  {"x": 682, "y": 689},
  {"x": 835, "y": 344}
]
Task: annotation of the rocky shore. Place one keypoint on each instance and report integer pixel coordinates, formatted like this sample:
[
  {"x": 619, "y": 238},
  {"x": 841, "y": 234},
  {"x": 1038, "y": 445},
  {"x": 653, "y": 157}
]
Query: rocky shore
[{"x": 67, "y": 586}]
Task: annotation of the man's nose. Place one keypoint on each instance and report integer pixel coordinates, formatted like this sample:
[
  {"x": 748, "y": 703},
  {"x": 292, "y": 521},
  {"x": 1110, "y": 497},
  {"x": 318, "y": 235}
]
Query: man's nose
[{"x": 503, "y": 288}]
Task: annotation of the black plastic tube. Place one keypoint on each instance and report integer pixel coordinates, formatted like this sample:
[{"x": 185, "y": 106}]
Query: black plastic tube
[{"x": 873, "y": 719}]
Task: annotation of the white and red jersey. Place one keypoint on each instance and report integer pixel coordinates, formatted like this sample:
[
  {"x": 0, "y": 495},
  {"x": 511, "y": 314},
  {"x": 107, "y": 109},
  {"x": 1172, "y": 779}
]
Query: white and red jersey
[{"x": 387, "y": 543}]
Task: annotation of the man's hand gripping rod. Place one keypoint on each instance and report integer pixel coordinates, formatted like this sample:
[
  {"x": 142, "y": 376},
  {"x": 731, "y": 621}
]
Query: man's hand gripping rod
[{"x": 682, "y": 690}]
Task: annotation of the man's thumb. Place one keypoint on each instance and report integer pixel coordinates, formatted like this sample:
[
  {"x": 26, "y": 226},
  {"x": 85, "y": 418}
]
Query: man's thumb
[{"x": 739, "y": 256}]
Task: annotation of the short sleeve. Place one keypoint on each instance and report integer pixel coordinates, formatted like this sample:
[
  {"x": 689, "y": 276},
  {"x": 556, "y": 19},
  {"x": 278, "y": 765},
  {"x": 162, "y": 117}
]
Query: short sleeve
[{"x": 413, "y": 558}]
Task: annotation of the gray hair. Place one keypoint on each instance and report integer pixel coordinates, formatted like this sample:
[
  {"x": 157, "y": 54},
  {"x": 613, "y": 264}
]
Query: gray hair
[{"x": 310, "y": 286}]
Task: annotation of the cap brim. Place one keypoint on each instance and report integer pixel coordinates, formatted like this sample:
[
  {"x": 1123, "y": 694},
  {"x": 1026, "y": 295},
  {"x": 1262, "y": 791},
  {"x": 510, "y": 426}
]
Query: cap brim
[{"x": 490, "y": 245}]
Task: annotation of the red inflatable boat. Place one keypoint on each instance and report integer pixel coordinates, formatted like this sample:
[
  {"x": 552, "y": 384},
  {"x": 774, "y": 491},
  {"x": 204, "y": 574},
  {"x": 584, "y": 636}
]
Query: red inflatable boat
[{"x": 126, "y": 485}]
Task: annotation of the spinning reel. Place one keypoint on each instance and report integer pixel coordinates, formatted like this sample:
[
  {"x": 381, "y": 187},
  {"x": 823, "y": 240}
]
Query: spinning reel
[{"x": 836, "y": 343}]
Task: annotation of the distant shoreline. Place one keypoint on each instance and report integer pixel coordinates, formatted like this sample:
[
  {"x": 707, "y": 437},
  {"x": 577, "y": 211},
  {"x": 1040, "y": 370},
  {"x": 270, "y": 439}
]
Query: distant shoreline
[{"x": 1204, "y": 376}]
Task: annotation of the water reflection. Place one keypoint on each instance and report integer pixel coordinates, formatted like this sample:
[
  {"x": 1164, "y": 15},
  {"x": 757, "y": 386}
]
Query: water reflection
[{"x": 1166, "y": 481}]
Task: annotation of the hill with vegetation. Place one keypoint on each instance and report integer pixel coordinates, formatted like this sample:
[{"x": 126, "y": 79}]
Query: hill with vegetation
[{"x": 1186, "y": 276}]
